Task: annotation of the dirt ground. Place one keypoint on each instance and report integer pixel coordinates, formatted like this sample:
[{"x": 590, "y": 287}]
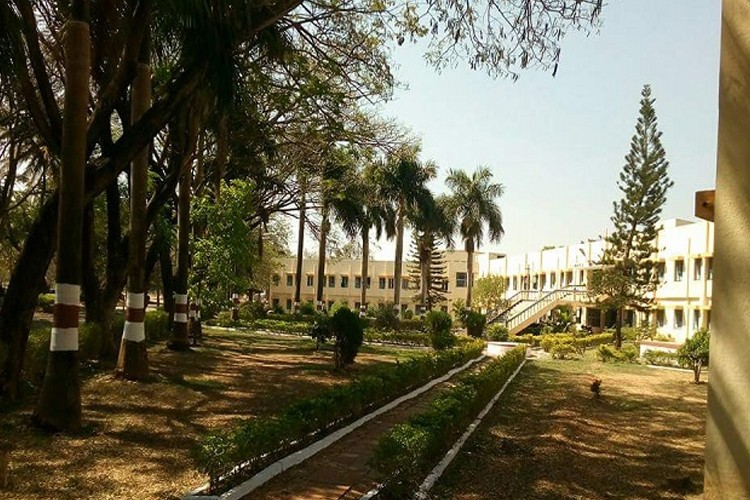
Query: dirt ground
[
  {"x": 549, "y": 437},
  {"x": 137, "y": 437}
]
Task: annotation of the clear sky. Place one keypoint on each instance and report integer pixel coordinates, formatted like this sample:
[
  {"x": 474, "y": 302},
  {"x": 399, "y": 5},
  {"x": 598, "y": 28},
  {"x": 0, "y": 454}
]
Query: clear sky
[{"x": 557, "y": 144}]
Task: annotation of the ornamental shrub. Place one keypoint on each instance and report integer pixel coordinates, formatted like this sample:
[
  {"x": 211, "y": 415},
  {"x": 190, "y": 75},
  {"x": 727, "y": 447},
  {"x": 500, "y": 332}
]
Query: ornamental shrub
[
  {"x": 608, "y": 354},
  {"x": 156, "y": 324},
  {"x": 661, "y": 358},
  {"x": 474, "y": 322},
  {"x": 46, "y": 302},
  {"x": 385, "y": 318},
  {"x": 307, "y": 309},
  {"x": 348, "y": 333},
  {"x": 497, "y": 332},
  {"x": 250, "y": 311},
  {"x": 694, "y": 352},
  {"x": 438, "y": 325}
]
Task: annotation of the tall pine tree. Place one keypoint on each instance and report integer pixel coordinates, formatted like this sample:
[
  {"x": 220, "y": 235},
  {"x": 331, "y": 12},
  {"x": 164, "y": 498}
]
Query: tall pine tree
[
  {"x": 627, "y": 277},
  {"x": 427, "y": 267}
]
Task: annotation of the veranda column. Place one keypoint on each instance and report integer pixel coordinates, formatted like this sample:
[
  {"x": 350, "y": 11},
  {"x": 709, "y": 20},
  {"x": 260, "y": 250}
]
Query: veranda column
[{"x": 727, "y": 472}]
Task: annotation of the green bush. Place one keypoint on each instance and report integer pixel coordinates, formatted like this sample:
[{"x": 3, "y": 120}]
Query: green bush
[
  {"x": 414, "y": 324},
  {"x": 257, "y": 442},
  {"x": 408, "y": 314},
  {"x": 608, "y": 354},
  {"x": 250, "y": 311},
  {"x": 307, "y": 309},
  {"x": 406, "y": 452},
  {"x": 694, "y": 352},
  {"x": 336, "y": 306},
  {"x": 348, "y": 333},
  {"x": 385, "y": 318},
  {"x": 398, "y": 338},
  {"x": 35, "y": 358},
  {"x": 156, "y": 324},
  {"x": 564, "y": 345},
  {"x": 529, "y": 339},
  {"x": 661, "y": 358},
  {"x": 497, "y": 332},
  {"x": 438, "y": 325},
  {"x": 290, "y": 327},
  {"x": 277, "y": 309},
  {"x": 46, "y": 302},
  {"x": 90, "y": 340},
  {"x": 474, "y": 322},
  {"x": 223, "y": 319}
]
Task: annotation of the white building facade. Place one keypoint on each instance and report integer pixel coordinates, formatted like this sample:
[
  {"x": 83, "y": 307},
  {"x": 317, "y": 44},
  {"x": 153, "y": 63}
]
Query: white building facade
[{"x": 682, "y": 302}]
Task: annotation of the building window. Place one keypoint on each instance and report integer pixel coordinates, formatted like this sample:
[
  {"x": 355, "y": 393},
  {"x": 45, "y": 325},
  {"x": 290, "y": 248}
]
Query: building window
[
  {"x": 369, "y": 282},
  {"x": 679, "y": 269},
  {"x": 345, "y": 282},
  {"x": 460, "y": 280},
  {"x": 710, "y": 268},
  {"x": 696, "y": 319},
  {"x": 276, "y": 280},
  {"x": 381, "y": 283},
  {"x": 697, "y": 269},
  {"x": 569, "y": 279},
  {"x": 445, "y": 288},
  {"x": 391, "y": 283},
  {"x": 275, "y": 303},
  {"x": 515, "y": 282},
  {"x": 708, "y": 319},
  {"x": 405, "y": 284},
  {"x": 679, "y": 318},
  {"x": 288, "y": 304},
  {"x": 358, "y": 282},
  {"x": 535, "y": 282},
  {"x": 544, "y": 281},
  {"x": 310, "y": 280},
  {"x": 289, "y": 280},
  {"x": 661, "y": 271},
  {"x": 581, "y": 276},
  {"x": 661, "y": 318},
  {"x": 444, "y": 309},
  {"x": 553, "y": 280},
  {"x": 357, "y": 306},
  {"x": 332, "y": 282}
]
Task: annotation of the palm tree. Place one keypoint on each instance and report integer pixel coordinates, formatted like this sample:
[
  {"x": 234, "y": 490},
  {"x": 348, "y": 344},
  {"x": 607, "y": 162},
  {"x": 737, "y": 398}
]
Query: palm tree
[
  {"x": 473, "y": 205},
  {"x": 430, "y": 228},
  {"x": 403, "y": 181},
  {"x": 59, "y": 406},
  {"x": 132, "y": 361},
  {"x": 375, "y": 214}
]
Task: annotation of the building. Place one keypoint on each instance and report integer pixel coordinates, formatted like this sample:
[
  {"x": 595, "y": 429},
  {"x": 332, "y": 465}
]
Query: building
[
  {"x": 343, "y": 282},
  {"x": 682, "y": 302}
]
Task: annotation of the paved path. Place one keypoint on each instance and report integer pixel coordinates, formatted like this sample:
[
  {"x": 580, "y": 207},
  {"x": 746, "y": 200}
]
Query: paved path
[{"x": 341, "y": 471}]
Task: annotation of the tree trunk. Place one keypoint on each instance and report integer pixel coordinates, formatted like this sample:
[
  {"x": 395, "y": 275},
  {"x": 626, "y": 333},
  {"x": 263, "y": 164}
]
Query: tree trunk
[
  {"x": 26, "y": 283},
  {"x": 59, "y": 406},
  {"x": 618, "y": 328},
  {"x": 167, "y": 283},
  {"x": 300, "y": 253},
  {"x": 324, "y": 226},
  {"x": 697, "y": 365},
  {"x": 365, "y": 265},
  {"x": 398, "y": 264},
  {"x": 469, "y": 271},
  {"x": 132, "y": 361}
]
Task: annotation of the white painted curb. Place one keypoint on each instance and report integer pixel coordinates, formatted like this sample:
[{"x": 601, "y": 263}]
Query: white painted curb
[
  {"x": 298, "y": 457},
  {"x": 438, "y": 470}
]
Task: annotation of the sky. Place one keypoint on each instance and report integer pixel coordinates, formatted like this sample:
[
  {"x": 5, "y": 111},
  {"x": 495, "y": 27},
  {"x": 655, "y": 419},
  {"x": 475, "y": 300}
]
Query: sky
[{"x": 557, "y": 144}]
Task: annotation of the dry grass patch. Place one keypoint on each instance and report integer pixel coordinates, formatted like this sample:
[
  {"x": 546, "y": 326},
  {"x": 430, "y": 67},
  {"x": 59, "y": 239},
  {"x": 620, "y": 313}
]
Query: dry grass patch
[
  {"x": 549, "y": 437},
  {"x": 138, "y": 437}
]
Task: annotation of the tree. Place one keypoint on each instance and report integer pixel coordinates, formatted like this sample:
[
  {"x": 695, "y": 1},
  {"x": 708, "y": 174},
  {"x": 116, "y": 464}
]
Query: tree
[
  {"x": 489, "y": 293},
  {"x": 403, "y": 181},
  {"x": 694, "y": 352},
  {"x": 59, "y": 406},
  {"x": 627, "y": 270},
  {"x": 473, "y": 203}
]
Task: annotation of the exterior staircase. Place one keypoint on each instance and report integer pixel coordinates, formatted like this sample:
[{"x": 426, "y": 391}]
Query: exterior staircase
[{"x": 527, "y": 306}]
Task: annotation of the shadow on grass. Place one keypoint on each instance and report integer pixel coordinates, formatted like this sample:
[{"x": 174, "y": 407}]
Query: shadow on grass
[{"x": 548, "y": 437}]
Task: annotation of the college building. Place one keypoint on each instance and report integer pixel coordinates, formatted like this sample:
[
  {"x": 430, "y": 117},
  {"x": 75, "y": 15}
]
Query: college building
[{"x": 535, "y": 281}]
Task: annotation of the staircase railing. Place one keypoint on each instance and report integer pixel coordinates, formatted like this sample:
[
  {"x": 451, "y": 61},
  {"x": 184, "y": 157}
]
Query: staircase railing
[
  {"x": 570, "y": 292},
  {"x": 512, "y": 302}
]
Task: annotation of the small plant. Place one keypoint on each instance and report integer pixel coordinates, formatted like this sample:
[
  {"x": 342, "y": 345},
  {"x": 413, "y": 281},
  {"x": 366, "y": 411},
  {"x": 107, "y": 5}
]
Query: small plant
[
  {"x": 438, "y": 325},
  {"x": 307, "y": 309},
  {"x": 347, "y": 332},
  {"x": 627, "y": 354},
  {"x": 385, "y": 318},
  {"x": 408, "y": 314},
  {"x": 459, "y": 311},
  {"x": 596, "y": 386},
  {"x": 251, "y": 311},
  {"x": 497, "y": 332},
  {"x": 474, "y": 322},
  {"x": 46, "y": 302},
  {"x": 694, "y": 352}
]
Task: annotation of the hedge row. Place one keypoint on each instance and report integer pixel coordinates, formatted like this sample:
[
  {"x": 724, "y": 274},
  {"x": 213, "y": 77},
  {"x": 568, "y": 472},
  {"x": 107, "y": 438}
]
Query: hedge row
[
  {"x": 231, "y": 455},
  {"x": 410, "y": 338},
  {"x": 406, "y": 452},
  {"x": 561, "y": 346}
]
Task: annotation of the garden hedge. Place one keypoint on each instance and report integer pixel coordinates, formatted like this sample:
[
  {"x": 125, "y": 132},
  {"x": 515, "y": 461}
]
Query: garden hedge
[
  {"x": 405, "y": 454},
  {"x": 231, "y": 455}
]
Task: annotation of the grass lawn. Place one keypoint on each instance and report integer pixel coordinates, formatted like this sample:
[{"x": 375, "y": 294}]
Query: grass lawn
[
  {"x": 138, "y": 436},
  {"x": 548, "y": 437}
]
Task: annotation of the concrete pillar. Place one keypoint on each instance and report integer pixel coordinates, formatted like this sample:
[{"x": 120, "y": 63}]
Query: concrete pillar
[{"x": 727, "y": 471}]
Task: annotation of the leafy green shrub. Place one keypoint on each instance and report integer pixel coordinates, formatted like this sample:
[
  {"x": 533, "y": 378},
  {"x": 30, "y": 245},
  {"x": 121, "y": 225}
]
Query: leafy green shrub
[
  {"x": 406, "y": 452},
  {"x": 156, "y": 324},
  {"x": 35, "y": 358},
  {"x": 563, "y": 345},
  {"x": 277, "y": 309},
  {"x": 291, "y": 318},
  {"x": 46, "y": 302},
  {"x": 459, "y": 311},
  {"x": 438, "y": 325},
  {"x": 348, "y": 334},
  {"x": 90, "y": 340},
  {"x": 661, "y": 358},
  {"x": 529, "y": 339},
  {"x": 694, "y": 352},
  {"x": 257, "y": 442},
  {"x": 250, "y": 311},
  {"x": 608, "y": 354},
  {"x": 497, "y": 332},
  {"x": 223, "y": 319},
  {"x": 408, "y": 314},
  {"x": 398, "y": 338},
  {"x": 414, "y": 324},
  {"x": 385, "y": 318},
  {"x": 290, "y": 327},
  {"x": 336, "y": 306},
  {"x": 474, "y": 322},
  {"x": 307, "y": 309}
]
